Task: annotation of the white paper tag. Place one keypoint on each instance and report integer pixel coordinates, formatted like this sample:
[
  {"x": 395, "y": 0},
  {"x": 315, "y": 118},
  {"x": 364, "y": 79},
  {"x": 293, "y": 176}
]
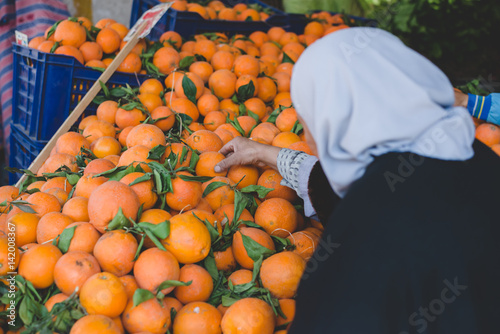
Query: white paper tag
[
  {"x": 21, "y": 38},
  {"x": 151, "y": 16}
]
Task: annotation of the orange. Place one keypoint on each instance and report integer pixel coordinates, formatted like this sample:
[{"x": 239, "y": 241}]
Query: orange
[
  {"x": 204, "y": 141},
  {"x": 71, "y": 51},
  {"x": 104, "y": 294},
  {"x": 51, "y": 225},
  {"x": 115, "y": 251},
  {"x": 247, "y": 123},
  {"x": 288, "y": 37},
  {"x": 95, "y": 324},
  {"x": 198, "y": 318},
  {"x": 228, "y": 211},
  {"x": 70, "y": 33},
  {"x": 57, "y": 160},
  {"x": 285, "y": 139},
  {"x": 281, "y": 273},
  {"x": 166, "y": 59},
  {"x": 207, "y": 162},
  {"x": 275, "y": 33},
  {"x": 144, "y": 190},
  {"x": 35, "y": 185},
  {"x": 202, "y": 69},
  {"x": 227, "y": 14},
  {"x": 126, "y": 118},
  {"x": 188, "y": 47},
  {"x": 185, "y": 106},
  {"x": 150, "y": 101},
  {"x": 314, "y": 28},
  {"x": 272, "y": 179},
  {"x": 55, "y": 299},
  {"x": 151, "y": 86},
  {"x": 103, "y": 23},
  {"x": 97, "y": 166},
  {"x": 267, "y": 89},
  {"x": 138, "y": 49},
  {"x": 224, "y": 260},
  {"x": 185, "y": 195},
  {"x": 225, "y": 135},
  {"x": 87, "y": 184},
  {"x": 36, "y": 41},
  {"x": 205, "y": 48},
  {"x": 153, "y": 267},
  {"x": 222, "y": 195},
  {"x": 105, "y": 201},
  {"x": 294, "y": 47},
  {"x": 239, "y": 251},
  {"x": 285, "y": 68},
  {"x": 109, "y": 40},
  {"x": 113, "y": 159},
  {"x": 248, "y": 175},
  {"x": 60, "y": 194},
  {"x": 257, "y": 106},
  {"x": 107, "y": 111},
  {"x": 84, "y": 238},
  {"x": 165, "y": 117},
  {"x": 146, "y": 135},
  {"x": 207, "y": 104},
  {"x": 37, "y": 265},
  {"x": 223, "y": 83},
  {"x": 286, "y": 120},
  {"x": 246, "y": 64},
  {"x": 122, "y": 136},
  {"x": 305, "y": 243},
  {"x": 97, "y": 129},
  {"x": 196, "y": 8},
  {"x": 227, "y": 105},
  {"x": 6, "y": 253},
  {"x": 73, "y": 269},
  {"x": 195, "y": 79},
  {"x": 150, "y": 316},
  {"x": 104, "y": 146},
  {"x": 222, "y": 60},
  {"x": 121, "y": 29},
  {"x": 265, "y": 131},
  {"x": 258, "y": 38},
  {"x": 214, "y": 119},
  {"x": 46, "y": 46},
  {"x": 242, "y": 276},
  {"x": 301, "y": 146},
  {"x": 488, "y": 133},
  {"x": 153, "y": 216},
  {"x": 131, "y": 64},
  {"x": 270, "y": 49},
  {"x": 245, "y": 80},
  {"x": 86, "y": 121},
  {"x": 137, "y": 155},
  {"x": 183, "y": 160},
  {"x": 201, "y": 286},
  {"x": 496, "y": 148},
  {"x": 189, "y": 240},
  {"x": 57, "y": 182},
  {"x": 7, "y": 193},
  {"x": 288, "y": 308},
  {"x": 172, "y": 38},
  {"x": 252, "y": 314},
  {"x": 25, "y": 225},
  {"x": 91, "y": 51},
  {"x": 249, "y": 14},
  {"x": 43, "y": 203},
  {"x": 130, "y": 285},
  {"x": 277, "y": 216}
]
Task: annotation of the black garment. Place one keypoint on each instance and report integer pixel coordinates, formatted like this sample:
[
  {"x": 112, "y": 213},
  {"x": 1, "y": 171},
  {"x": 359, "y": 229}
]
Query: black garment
[{"x": 413, "y": 247}]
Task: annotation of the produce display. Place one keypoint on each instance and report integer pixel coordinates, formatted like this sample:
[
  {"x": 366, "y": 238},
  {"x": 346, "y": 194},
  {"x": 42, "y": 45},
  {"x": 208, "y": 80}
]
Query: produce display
[{"x": 127, "y": 228}]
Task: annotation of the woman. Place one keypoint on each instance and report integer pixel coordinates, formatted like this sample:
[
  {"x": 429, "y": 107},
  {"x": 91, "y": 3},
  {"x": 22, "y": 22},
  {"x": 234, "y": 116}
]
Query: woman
[{"x": 407, "y": 197}]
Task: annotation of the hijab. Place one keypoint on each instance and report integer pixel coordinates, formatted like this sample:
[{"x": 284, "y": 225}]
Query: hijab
[{"x": 362, "y": 93}]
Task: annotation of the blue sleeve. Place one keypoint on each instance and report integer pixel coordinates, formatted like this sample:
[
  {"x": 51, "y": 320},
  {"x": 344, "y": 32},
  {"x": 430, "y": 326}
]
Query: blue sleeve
[{"x": 486, "y": 108}]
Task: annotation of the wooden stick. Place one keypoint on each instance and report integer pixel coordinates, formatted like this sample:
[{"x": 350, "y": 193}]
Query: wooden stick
[{"x": 85, "y": 101}]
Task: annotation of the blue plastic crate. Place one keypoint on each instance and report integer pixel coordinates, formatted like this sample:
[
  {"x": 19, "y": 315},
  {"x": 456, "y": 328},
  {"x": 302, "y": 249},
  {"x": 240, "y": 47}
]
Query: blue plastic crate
[
  {"x": 47, "y": 87},
  {"x": 23, "y": 150},
  {"x": 189, "y": 23}
]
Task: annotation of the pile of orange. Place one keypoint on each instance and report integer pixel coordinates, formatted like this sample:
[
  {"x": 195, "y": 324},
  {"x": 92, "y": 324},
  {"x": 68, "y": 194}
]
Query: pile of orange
[
  {"x": 239, "y": 87},
  {"x": 217, "y": 10},
  {"x": 93, "y": 46}
]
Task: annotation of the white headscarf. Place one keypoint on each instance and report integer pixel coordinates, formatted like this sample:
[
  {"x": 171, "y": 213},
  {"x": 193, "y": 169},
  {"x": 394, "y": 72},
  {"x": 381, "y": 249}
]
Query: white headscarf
[{"x": 363, "y": 93}]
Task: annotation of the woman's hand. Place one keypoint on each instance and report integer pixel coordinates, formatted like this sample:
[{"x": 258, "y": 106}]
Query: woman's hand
[{"x": 243, "y": 151}]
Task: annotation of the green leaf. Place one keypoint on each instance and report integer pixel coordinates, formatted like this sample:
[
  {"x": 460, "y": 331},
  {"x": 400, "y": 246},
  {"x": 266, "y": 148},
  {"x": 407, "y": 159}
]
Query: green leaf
[
  {"x": 154, "y": 239},
  {"x": 189, "y": 89},
  {"x": 228, "y": 301},
  {"x": 170, "y": 283},
  {"x": 287, "y": 59},
  {"x": 211, "y": 267},
  {"x": 145, "y": 177},
  {"x": 240, "y": 202},
  {"x": 256, "y": 268},
  {"x": 186, "y": 62},
  {"x": 254, "y": 116},
  {"x": 142, "y": 295},
  {"x": 236, "y": 125},
  {"x": 254, "y": 249},
  {"x": 23, "y": 206},
  {"x": 212, "y": 186},
  {"x": 281, "y": 243},
  {"x": 246, "y": 91},
  {"x": 161, "y": 230},
  {"x": 118, "y": 222},
  {"x": 73, "y": 178},
  {"x": 189, "y": 178},
  {"x": 117, "y": 173},
  {"x": 260, "y": 190},
  {"x": 118, "y": 92},
  {"x": 274, "y": 115},
  {"x": 297, "y": 128},
  {"x": 157, "y": 152},
  {"x": 104, "y": 88},
  {"x": 65, "y": 238}
]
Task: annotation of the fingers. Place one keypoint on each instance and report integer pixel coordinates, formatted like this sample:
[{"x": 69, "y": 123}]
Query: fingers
[{"x": 233, "y": 159}]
